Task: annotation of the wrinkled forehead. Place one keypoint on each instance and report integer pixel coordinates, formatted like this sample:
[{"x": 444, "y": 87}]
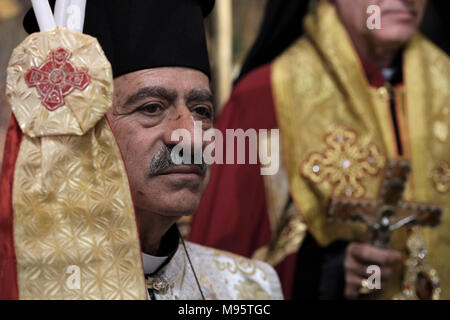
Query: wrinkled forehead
[
  {"x": 175, "y": 78},
  {"x": 178, "y": 81}
]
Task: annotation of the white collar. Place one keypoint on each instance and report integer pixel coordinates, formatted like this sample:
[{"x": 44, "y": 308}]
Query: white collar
[
  {"x": 152, "y": 263},
  {"x": 388, "y": 73}
]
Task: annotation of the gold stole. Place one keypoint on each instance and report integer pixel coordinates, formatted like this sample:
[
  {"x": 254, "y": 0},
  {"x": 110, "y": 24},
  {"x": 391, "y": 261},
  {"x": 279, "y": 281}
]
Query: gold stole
[
  {"x": 337, "y": 132},
  {"x": 73, "y": 212}
]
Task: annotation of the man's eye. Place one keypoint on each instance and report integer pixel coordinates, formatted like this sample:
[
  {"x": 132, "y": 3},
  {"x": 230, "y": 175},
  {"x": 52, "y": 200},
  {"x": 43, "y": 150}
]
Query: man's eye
[
  {"x": 151, "y": 108},
  {"x": 203, "y": 111}
]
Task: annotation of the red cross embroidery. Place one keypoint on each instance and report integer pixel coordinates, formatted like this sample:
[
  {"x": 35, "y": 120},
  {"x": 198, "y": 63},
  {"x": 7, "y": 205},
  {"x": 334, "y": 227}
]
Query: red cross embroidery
[{"x": 55, "y": 78}]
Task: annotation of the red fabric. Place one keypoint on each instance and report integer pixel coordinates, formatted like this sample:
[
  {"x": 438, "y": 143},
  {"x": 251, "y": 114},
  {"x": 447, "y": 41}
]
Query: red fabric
[
  {"x": 373, "y": 73},
  {"x": 8, "y": 264},
  {"x": 286, "y": 271},
  {"x": 233, "y": 214}
]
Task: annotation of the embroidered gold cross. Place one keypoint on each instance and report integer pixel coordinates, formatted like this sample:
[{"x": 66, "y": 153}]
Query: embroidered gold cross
[
  {"x": 389, "y": 212},
  {"x": 344, "y": 163}
]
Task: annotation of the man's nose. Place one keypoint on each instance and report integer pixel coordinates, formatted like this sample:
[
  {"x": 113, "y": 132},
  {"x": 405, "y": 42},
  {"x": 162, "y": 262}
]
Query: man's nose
[{"x": 183, "y": 122}]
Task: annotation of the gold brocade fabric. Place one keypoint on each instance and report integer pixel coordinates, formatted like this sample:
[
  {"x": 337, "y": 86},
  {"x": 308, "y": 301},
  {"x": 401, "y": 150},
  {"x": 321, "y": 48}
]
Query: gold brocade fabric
[
  {"x": 71, "y": 198},
  {"x": 287, "y": 227},
  {"x": 83, "y": 108},
  {"x": 337, "y": 132},
  {"x": 221, "y": 276}
]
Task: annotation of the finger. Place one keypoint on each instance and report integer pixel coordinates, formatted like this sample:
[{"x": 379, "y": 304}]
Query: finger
[
  {"x": 361, "y": 270},
  {"x": 354, "y": 267},
  {"x": 352, "y": 286},
  {"x": 386, "y": 274},
  {"x": 368, "y": 255}
]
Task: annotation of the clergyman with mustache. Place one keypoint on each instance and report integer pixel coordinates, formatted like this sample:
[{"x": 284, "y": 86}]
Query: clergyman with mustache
[{"x": 161, "y": 84}]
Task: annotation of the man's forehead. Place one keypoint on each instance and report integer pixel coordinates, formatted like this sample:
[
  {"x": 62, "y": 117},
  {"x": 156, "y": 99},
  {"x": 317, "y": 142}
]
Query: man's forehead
[
  {"x": 175, "y": 77},
  {"x": 168, "y": 82}
]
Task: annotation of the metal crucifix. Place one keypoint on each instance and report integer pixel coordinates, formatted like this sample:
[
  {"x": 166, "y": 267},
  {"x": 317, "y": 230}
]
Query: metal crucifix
[{"x": 389, "y": 212}]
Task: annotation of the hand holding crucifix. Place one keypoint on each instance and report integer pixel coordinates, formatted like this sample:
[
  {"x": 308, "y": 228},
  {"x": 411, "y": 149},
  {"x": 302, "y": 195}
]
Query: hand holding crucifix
[{"x": 388, "y": 213}]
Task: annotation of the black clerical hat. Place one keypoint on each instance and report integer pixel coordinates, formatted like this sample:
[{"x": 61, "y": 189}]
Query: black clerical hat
[{"x": 143, "y": 34}]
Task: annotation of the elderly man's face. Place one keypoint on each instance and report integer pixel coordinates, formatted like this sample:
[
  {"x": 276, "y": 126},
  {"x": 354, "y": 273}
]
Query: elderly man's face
[
  {"x": 148, "y": 106},
  {"x": 400, "y": 19}
]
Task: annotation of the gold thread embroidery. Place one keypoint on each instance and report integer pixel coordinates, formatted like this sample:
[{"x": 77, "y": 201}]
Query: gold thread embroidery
[
  {"x": 71, "y": 198},
  {"x": 441, "y": 177},
  {"x": 250, "y": 290},
  {"x": 237, "y": 264},
  {"x": 287, "y": 240},
  {"x": 344, "y": 163},
  {"x": 440, "y": 130}
]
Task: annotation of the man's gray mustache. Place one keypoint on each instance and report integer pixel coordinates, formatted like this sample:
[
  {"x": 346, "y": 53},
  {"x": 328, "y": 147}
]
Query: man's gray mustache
[{"x": 164, "y": 159}]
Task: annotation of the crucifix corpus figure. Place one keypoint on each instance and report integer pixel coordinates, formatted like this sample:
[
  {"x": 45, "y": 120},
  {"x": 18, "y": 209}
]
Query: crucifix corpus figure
[{"x": 389, "y": 211}]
